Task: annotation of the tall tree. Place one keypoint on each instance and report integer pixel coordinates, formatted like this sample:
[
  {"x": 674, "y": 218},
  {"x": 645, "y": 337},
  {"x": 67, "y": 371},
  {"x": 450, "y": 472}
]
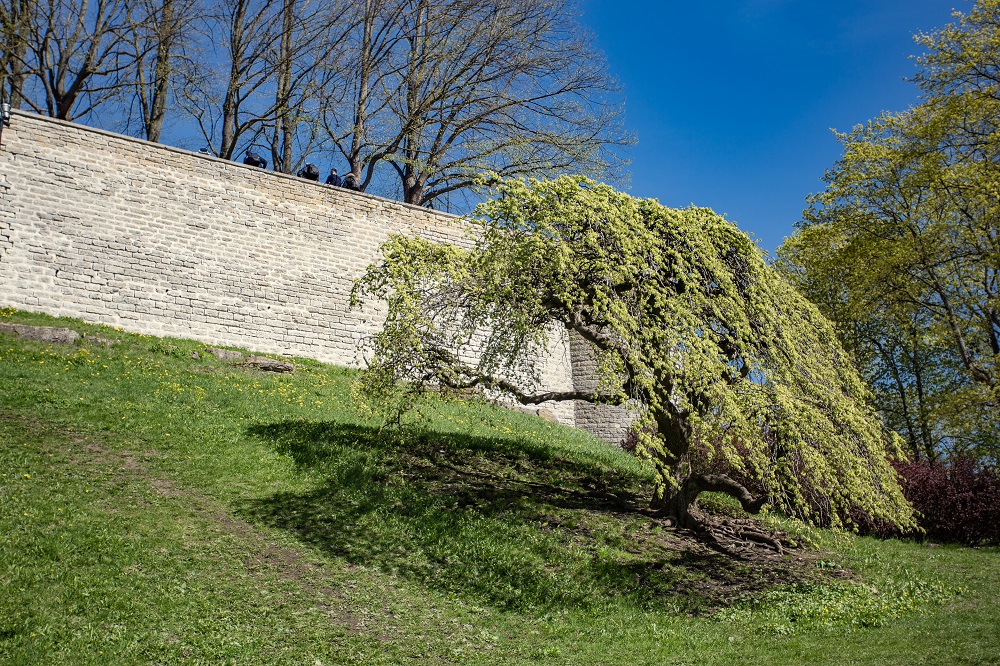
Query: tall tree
[
  {"x": 501, "y": 87},
  {"x": 77, "y": 55},
  {"x": 903, "y": 246},
  {"x": 223, "y": 98},
  {"x": 356, "y": 120},
  {"x": 721, "y": 357},
  {"x": 451, "y": 93},
  {"x": 16, "y": 20},
  {"x": 273, "y": 59},
  {"x": 305, "y": 64},
  {"x": 159, "y": 37}
]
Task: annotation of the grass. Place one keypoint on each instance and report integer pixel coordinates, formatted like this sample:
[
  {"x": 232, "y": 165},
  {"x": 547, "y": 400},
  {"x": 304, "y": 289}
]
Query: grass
[{"x": 161, "y": 508}]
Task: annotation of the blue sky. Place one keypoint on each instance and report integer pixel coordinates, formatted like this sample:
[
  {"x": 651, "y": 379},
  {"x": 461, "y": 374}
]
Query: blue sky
[{"x": 732, "y": 101}]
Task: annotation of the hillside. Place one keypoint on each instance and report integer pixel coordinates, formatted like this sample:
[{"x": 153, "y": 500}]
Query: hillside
[{"x": 158, "y": 505}]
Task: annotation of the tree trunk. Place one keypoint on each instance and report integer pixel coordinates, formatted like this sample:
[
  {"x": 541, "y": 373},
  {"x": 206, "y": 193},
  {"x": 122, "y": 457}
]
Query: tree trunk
[
  {"x": 413, "y": 183},
  {"x": 413, "y": 190},
  {"x": 18, "y": 23},
  {"x": 281, "y": 151},
  {"x": 676, "y": 506},
  {"x": 166, "y": 34},
  {"x": 365, "y": 65},
  {"x": 231, "y": 102}
]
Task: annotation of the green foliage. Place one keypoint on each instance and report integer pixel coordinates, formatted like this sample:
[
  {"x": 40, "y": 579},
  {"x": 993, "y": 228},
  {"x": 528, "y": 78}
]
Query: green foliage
[
  {"x": 690, "y": 325},
  {"x": 843, "y": 606},
  {"x": 902, "y": 248}
]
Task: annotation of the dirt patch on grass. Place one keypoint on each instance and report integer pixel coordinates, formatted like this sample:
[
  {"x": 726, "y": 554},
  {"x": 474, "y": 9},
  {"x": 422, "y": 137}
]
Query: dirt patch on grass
[{"x": 164, "y": 487}]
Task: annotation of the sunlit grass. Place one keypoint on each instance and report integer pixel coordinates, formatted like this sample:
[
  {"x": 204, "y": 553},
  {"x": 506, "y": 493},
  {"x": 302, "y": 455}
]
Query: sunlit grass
[{"x": 159, "y": 508}]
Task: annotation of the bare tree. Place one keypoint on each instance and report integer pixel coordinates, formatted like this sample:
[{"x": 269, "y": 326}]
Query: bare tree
[
  {"x": 474, "y": 88},
  {"x": 424, "y": 99},
  {"x": 272, "y": 62},
  {"x": 15, "y": 23},
  {"x": 304, "y": 64},
  {"x": 77, "y": 54},
  {"x": 237, "y": 35},
  {"x": 159, "y": 35},
  {"x": 355, "y": 118}
]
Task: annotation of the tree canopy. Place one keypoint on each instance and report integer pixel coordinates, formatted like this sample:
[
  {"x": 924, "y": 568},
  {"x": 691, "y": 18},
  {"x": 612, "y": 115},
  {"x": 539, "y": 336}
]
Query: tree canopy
[
  {"x": 902, "y": 248},
  {"x": 722, "y": 360}
]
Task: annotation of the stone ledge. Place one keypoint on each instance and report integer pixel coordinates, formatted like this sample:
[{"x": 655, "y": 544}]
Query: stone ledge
[{"x": 60, "y": 336}]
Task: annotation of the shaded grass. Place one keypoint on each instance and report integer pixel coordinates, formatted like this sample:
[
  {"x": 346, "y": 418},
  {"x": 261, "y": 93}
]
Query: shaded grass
[
  {"x": 500, "y": 522},
  {"x": 246, "y": 518}
]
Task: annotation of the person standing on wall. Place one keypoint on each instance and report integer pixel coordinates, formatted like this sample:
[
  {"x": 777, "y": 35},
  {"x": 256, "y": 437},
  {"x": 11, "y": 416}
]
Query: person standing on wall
[
  {"x": 334, "y": 179},
  {"x": 352, "y": 182}
]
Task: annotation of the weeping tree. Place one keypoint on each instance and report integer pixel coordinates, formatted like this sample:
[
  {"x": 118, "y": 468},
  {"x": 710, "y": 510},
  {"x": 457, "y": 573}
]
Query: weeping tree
[{"x": 717, "y": 355}]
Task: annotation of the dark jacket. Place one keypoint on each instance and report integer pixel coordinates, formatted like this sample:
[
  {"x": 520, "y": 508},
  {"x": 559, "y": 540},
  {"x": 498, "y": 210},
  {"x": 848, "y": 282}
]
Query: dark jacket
[
  {"x": 253, "y": 159},
  {"x": 335, "y": 180},
  {"x": 309, "y": 172},
  {"x": 351, "y": 182}
]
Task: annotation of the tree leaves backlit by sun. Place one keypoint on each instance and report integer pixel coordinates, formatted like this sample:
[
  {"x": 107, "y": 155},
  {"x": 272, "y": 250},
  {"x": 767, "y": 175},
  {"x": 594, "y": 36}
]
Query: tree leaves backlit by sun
[{"x": 722, "y": 359}]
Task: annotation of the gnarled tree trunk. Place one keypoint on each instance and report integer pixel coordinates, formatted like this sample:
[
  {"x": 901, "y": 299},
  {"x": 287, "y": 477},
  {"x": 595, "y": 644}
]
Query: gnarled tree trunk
[{"x": 676, "y": 506}]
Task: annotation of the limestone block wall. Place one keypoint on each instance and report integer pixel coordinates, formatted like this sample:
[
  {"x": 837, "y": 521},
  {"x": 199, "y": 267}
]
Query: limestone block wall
[
  {"x": 167, "y": 242},
  {"x": 608, "y": 422}
]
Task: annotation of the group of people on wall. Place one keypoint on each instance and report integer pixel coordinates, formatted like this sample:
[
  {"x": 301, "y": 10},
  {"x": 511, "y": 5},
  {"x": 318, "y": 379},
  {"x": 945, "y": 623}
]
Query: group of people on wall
[
  {"x": 311, "y": 172},
  {"x": 350, "y": 181}
]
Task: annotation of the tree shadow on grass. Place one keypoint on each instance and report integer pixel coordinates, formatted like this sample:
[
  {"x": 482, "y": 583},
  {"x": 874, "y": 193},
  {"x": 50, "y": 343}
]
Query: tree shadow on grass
[{"x": 498, "y": 521}]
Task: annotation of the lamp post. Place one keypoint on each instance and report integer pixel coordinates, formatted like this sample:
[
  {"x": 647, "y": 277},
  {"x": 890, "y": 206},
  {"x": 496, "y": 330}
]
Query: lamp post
[{"x": 4, "y": 116}]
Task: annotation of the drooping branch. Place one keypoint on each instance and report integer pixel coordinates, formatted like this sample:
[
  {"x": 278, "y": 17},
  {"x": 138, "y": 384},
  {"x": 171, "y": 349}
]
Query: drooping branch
[
  {"x": 733, "y": 356},
  {"x": 460, "y": 376},
  {"x": 720, "y": 483}
]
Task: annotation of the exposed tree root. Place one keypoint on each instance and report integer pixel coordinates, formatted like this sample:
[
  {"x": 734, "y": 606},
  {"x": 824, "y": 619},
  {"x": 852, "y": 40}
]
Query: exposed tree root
[
  {"x": 729, "y": 535},
  {"x": 745, "y": 533}
]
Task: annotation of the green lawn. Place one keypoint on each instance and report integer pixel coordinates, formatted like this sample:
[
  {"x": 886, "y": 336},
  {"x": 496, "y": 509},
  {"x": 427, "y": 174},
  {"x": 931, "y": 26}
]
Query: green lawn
[{"x": 161, "y": 508}]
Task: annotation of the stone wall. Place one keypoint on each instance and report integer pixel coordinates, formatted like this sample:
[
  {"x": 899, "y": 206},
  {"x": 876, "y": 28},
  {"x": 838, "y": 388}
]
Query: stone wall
[
  {"x": 166, "y": 242},
  {"x": 608, "y": 422}
]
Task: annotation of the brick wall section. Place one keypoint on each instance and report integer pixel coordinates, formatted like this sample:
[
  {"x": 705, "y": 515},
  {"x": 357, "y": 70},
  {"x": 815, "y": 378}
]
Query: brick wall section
[
  {"x": 6, "y": 233},
  {"x": 163, "y": 241}
]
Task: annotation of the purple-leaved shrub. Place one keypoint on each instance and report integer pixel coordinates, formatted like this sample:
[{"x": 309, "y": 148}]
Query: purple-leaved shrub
[{"x": 957, "y": 501}]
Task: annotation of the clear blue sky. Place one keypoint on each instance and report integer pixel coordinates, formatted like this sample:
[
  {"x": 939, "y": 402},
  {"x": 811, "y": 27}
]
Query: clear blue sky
[{"x": 732, "y": 101}]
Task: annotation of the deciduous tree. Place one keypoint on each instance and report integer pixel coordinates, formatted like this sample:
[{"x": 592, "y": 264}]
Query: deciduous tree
[
  {"x": 159, "y": 38},
  {"x": 447, "y": 93},
  {"x": 16, "y": 20},
  {"x": 902, "y": 248},
  {"x": 691, "y": 328},
  {"x": 76, "y": 55},
  {"x": 355, "y": 118},
  {"x": 226, "y": 97}
]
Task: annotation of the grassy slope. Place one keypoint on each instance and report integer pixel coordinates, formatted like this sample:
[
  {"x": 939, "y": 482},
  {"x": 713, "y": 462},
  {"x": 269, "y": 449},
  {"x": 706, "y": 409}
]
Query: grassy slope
[{"x": 156, "y": 508}]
